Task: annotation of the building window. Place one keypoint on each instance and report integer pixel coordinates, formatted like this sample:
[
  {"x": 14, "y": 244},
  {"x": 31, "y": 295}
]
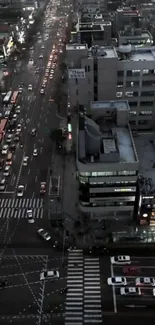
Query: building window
[
  {"x": 147, "y": 113},
  {"x": 147, "y": 93},
  {"x": 129, "y": 93},
  {"x": 148, "y": 83},
  {"x": 143, "y": 122},
  {"x": 132, "y": 84},
  {"x": 77, "y": 92},
  {"x": 146, "y": 71},
  {"x": 76, "y": 81},
  {"x": 120, "y": 84},
  {"x": 129, "y": 73},
  {"x": 133, "y": 113},
  {"x": 146, "y": 103},
  {"x": 119, "y": 94},
  {"x": 135, "y": 72},
  {"x": 133, "y": 122},
  {"x": 120, "y": 73},
  {"x": 86, "y": 70},
  {"x": 132, "y": 104}
]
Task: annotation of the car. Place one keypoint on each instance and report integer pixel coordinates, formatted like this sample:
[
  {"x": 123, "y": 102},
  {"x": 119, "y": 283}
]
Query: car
[
  {"x": 35, "y": 152},
  {"x": 12, "y": 147},
  {"x": 30, "y": 87},
  {"x": 127, "y": 270},
  {"x": 44, "y": 234},
  {"x": 51, "y": 77},
  {"x": 145, "y": 281},
  {"x": 31, "y": 61},
  {"x": 25, "y": 161},
  {"x": 47, "y": 70},
  {"x": 17, "y": 137},
  {"x": 130, "y": 291},
  {"x": 19, "y": 128},
  {"x": 20, "y": 190},
  {"x": 41, "y": 56},
  {"x": 153, "y": 292},
  {"x": 2, "y": 184},
  {"x": 120, "y": 259},
  {"x": 1, "y": 164},
  {"x": 33, "y": 132},
  {"x": 5, "y": 149},
  {"x": 15, "y": 58},
  {"x": 42, "y": 187},
  {"x": 42, "y": 47},
  {"x": 46, "y": 74},
  {"x": 20, "y": 90},
  {"x": 9, "y": 138},
  {"x": 42, "y": 91},
  {"x": 6, "y": 172},
  {"x": 7, "y": 114},
  {"x": 14, "y": 117},
  {"x": 18, "y": 110},
  {"x": 49, "y": 274},
  {"x": 30, "y": 216},
  {"x": 117, "y": 280},
  {"x": 37, "y": 70}
]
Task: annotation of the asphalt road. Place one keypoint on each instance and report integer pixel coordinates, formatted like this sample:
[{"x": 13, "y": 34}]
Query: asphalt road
[{"x": 23, "y": 255}]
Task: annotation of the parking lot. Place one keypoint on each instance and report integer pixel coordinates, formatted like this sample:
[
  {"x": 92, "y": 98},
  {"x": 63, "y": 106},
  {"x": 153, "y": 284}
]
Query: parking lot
[
  {"x": 114, "y": 302},
  {"x": 25, "y": 296}
]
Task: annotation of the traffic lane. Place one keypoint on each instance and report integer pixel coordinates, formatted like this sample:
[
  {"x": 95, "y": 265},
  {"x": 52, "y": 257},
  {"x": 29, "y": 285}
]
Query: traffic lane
[
  {"x": 106, "y": 292},
  {"x": 143, "y": 260}
]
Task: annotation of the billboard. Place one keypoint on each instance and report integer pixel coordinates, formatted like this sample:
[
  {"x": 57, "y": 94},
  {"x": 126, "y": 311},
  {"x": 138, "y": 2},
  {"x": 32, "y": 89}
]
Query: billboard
[{"x": 76, "y": 73}]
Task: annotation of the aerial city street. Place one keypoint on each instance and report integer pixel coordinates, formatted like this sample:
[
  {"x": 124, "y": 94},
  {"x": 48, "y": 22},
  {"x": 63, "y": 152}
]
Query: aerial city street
[{"x": 73, "y": 207}]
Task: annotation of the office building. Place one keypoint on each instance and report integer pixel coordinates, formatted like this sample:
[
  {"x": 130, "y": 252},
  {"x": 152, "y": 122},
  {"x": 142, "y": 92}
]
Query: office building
[
  {"x": 105, "y": 73},
  {"x": 135, "y": 36},
  {"x": 107, "y": 161}
]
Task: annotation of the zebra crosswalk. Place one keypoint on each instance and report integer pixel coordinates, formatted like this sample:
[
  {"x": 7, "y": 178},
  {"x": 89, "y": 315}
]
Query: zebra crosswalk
[
  {"x": 83, "y": 298},
  {"x": 17, "y": 208}
]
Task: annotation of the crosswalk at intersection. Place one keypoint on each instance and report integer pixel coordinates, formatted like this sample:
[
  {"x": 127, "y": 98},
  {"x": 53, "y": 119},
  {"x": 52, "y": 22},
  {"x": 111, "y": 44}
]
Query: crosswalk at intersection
[
  {"x": 17, "y": 208},
  {"x": 83, "y": 298}
]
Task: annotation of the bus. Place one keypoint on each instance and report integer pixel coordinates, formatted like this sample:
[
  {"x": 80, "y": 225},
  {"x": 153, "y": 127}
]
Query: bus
[
  {"x": 7, "y": 97},
  {"x": 3, "y": 124},
  {"x": 14, "y": 97}
]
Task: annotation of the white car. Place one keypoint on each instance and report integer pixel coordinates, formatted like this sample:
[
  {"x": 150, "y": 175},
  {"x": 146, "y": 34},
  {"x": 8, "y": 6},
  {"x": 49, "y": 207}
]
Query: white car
[
  {"x": 145, "y": 281},
  {"x": 5, "y": 149},
  {"x": 6, "y": 172},
  {"x": 51, "y": 77},
  {"x": 7, "y": 113},
  {"x": 2, "y": 184},
  {"x": 25, "y": 161},
  {"x": 18, "y": 110},
  {"x": 42, "y": 47},
  {"x": 19, "y": 128},
  {"x": 117, "y": 280},
  {"x": 44, "y": 234},
  {"x": 14, "y": 117},
  {"x": 41, "y": 56},
  {"x": 30, "y": 216},
  {"x": 42, "y": 91},
  {"x": 49, "y": 274},
  {"x": 153, "y": 292},
  {"x": 20, "y": 190},
  {"x": 35, "y": 152},
  {"x": 9, "y": 138},
  {"x": 130, "y": 291},
  {"x": 20, "y": 89},
  {"x": 120, "y": 260},
  {"x": 30, "y": 87}
]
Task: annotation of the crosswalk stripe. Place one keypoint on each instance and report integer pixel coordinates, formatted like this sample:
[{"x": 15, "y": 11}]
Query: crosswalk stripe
[{"x": 17, "y": 208}]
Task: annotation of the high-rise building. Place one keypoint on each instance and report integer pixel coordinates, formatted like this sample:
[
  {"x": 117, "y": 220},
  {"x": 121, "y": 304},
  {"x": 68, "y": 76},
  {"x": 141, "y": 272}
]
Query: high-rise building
[{"x": 105, "y": 73}]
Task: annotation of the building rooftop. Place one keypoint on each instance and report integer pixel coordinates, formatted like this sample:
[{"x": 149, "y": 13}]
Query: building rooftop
[
  {"x": 134, "y": 33},
  {"x": 144, "y": 54},
  {"x": 145, "y": 146},
  {"x": 103, "y": 138},
  {"x": 101, "y": 51}
]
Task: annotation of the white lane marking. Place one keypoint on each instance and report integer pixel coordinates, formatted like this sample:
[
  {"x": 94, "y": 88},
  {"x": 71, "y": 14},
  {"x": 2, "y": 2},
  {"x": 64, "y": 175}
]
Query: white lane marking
[
  {"x": 113, "y": 290},
  {"x": 36, "y": 178},
  {"x": 29, "y": 172},
  {"x": 13, "y": 178}
]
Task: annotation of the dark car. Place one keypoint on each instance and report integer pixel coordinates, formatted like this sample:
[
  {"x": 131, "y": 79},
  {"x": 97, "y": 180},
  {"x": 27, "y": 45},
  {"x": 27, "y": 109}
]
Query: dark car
[
  {"x": 13, "y": 147},
  {"x": 1, "y": 164},
  {"x": 127, "y": 270}
]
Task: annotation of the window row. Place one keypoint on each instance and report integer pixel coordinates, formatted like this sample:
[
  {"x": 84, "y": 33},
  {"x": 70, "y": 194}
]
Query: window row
[
  {"x": 142, "y": 113},
  {"x": 135, "y": 94},
  {"x": 135, "y": 72},
  {"x": 112, "y": 173}
]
